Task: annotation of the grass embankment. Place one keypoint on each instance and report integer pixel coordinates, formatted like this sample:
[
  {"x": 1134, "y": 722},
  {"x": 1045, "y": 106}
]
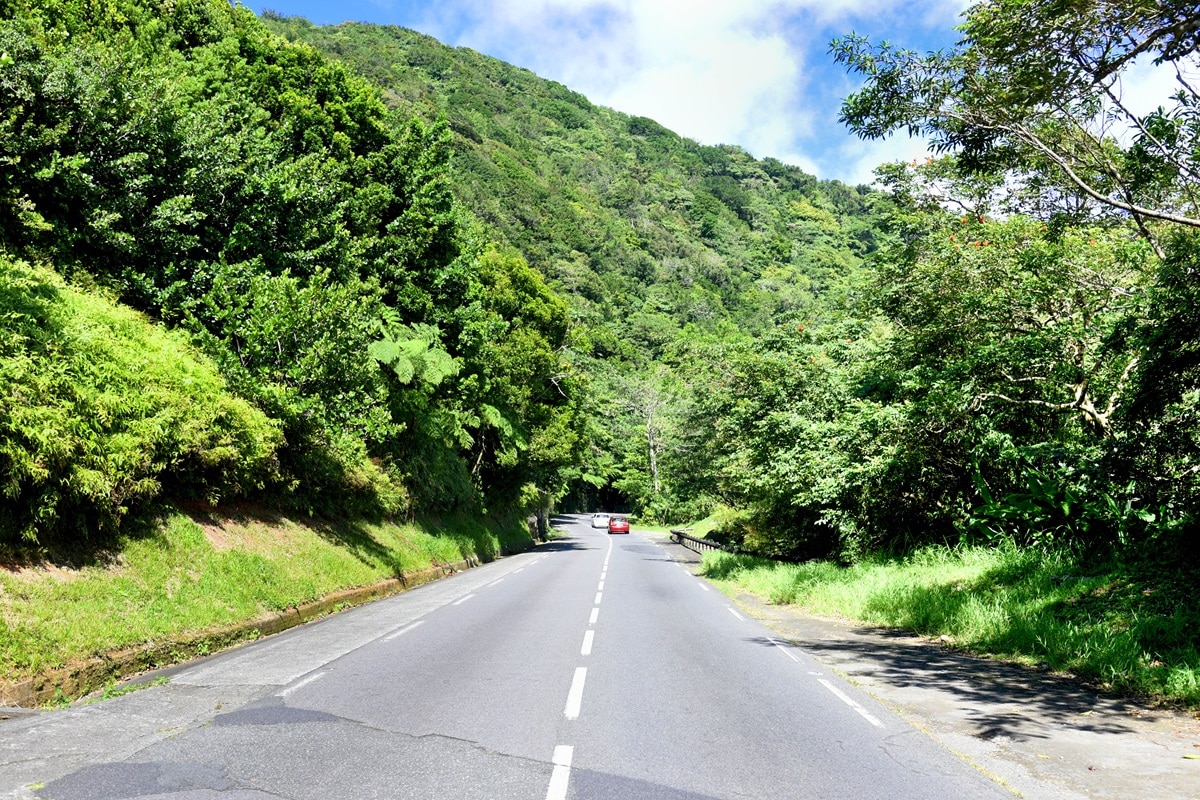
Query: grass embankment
[
  {"x": 1123, "y": 628},
  {"x": 196, "y": 574}
]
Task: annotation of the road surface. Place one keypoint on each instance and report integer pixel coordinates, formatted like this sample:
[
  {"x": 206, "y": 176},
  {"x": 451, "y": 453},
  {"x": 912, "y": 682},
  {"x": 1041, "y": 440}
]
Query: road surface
[{"x": 594, "y": 667}]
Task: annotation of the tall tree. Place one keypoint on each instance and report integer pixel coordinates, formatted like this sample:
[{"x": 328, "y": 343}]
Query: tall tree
[{"x": 1036, "y": 89}]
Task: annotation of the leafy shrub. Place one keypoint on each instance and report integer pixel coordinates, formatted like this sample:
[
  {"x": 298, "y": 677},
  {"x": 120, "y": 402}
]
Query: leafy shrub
[{"x": 103, "y": 412}]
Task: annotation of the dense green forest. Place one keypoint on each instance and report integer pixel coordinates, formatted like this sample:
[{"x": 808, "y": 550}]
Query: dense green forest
[
  {"x": 353, "y": 271},
  {"x": 318, "y": 325},
  {"x": 667, "y": 251},
  {"x": 994, "y": 346}
]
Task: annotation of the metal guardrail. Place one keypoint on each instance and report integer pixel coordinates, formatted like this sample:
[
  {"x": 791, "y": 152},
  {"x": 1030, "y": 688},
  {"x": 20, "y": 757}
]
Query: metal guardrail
[{"x": 696, "y": 544}]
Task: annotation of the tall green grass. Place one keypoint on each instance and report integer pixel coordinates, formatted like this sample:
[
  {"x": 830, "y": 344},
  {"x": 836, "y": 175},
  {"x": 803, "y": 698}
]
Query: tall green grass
[
  {"x": 1127, "y": 630},
  {"x": 178, "y": 580}
]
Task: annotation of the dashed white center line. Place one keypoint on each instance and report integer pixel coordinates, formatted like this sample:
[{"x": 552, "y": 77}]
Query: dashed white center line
[
  {"x": 736, "y": 614},
  {"x": 463, "y": 599},
  {"x": 596, "y": 602},
  {"x": 519, "y": 569},
  {"x": 600, "y": 588},
  {"x": 702, "y": 586},
  {"x": 300, "y": 684},
  {"x": 493, "y": 583},
  {"x": 586, "y": 650},
  {"x": 862, "y": 712},
  {"x": 561, "y": 776},
  {"x": 575, "y": 696},
  {"x": 401, "y": 632},
  {"x": 592, "y": 618}
]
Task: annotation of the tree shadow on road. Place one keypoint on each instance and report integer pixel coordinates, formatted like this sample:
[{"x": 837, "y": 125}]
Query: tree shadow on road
[{"x": 1002, "y": 699}]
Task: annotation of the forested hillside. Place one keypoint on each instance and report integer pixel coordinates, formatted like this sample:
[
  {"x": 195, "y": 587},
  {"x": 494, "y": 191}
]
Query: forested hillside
[
  {"x": 424, "y": 279},
  {"x": 344, "y": 343},
  {"x": 976, "y": 353},
  {"x": 664, "y": 248}
]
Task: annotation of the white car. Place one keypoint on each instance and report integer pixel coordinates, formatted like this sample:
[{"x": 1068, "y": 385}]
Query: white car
[{"x": 600, "y": 520}]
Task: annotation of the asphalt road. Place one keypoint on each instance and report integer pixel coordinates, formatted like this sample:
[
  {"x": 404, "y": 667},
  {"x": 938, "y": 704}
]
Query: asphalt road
[{"x": 594, "y": 667}]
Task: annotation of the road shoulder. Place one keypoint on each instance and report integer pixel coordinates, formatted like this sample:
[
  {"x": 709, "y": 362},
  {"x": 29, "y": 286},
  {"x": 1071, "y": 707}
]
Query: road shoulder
[{"x": 1040, "y": 735}]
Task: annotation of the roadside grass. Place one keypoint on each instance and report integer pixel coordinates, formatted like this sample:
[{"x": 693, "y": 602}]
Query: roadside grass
[
  {"x": 193, "y": 574},
  {"x": 712, "y": 526},
  {"x": 1125, "y": 628}
]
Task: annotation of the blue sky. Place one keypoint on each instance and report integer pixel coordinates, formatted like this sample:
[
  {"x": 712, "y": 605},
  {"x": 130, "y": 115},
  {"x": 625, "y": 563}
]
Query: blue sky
[{"x": 754, "y": 74}]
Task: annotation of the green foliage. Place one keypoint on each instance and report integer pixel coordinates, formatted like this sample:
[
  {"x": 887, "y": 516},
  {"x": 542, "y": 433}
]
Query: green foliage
[
  {"x": 1125, "y": 628},
  {"x": 1006, "y": 349},
  {"x": 104, "y": 412},
  {"x": 648, "y": 235},
  {"x": 412, "y": 353},
  {"x": 264, "y": 198},
  {"x": 1163, "y": 448},
  {"x": 1034, "y": 90}
]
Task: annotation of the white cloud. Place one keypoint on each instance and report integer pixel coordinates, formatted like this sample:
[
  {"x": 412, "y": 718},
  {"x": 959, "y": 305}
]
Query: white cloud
[
  {"x": 754, "y": 74},
  {"x": 715, "y": 71},
  {"x": 1145, "y": 85},
  {"x": 858, "y": 159}
]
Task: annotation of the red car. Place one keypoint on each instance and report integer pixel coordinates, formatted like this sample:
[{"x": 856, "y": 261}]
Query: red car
[{"x": 618, "y": 525}]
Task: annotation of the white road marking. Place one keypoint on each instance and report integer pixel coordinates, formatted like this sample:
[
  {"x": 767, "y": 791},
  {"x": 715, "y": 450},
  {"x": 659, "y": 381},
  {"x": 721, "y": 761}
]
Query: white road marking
[
  {"x": 862, "y": 712},
  {"x": 561, "y": 776},
  {"x": 600, "y": 588},
  {"x": 586, "y": 650},
  {"x": 592, "y": 618},
  {"x": 463, "y": 599},
  {"x": 519, "y": 569},
  {"x": 736, "y": 614},
  {"x": 702, "y": 586},
  {"x": 300, "y": 684},
  {"x": 786, "y": 652},
  {"x": 596, "y": 602},
  {"x": 493, "y": 583},
  {"x": 575, "y": 696},
  {"x": 401, "y": 632}
]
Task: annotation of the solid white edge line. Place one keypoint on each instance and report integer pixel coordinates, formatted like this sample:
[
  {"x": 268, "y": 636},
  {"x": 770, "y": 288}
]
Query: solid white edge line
[
  {"x": 736, "y": 614},
  {"x": 300, "y": 684},
  {"x": 862, "y": 712},
  {"x": 561, "y": 777},
  {"x": 786, "y": 652},
  {"x": 575, "y": 696},
  {"x": 402, "y": 631},
  {"x": 463, "y": 599},
  {"x": 592, "y": 618},
  {"x": 588, "y": 638}
]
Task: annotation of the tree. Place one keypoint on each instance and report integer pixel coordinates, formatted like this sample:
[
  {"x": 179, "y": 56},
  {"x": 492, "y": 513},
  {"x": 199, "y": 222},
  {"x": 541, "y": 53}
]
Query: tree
[{"x": 1034, "y": 89}]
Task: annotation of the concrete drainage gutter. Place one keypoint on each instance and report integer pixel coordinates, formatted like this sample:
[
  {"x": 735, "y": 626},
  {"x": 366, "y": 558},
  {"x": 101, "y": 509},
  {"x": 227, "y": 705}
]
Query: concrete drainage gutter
[{"x": 80, "y": 678}]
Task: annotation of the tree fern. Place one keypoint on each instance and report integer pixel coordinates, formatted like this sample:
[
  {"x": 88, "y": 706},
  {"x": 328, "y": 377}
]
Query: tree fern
[{"x": 413, "y": 352}]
